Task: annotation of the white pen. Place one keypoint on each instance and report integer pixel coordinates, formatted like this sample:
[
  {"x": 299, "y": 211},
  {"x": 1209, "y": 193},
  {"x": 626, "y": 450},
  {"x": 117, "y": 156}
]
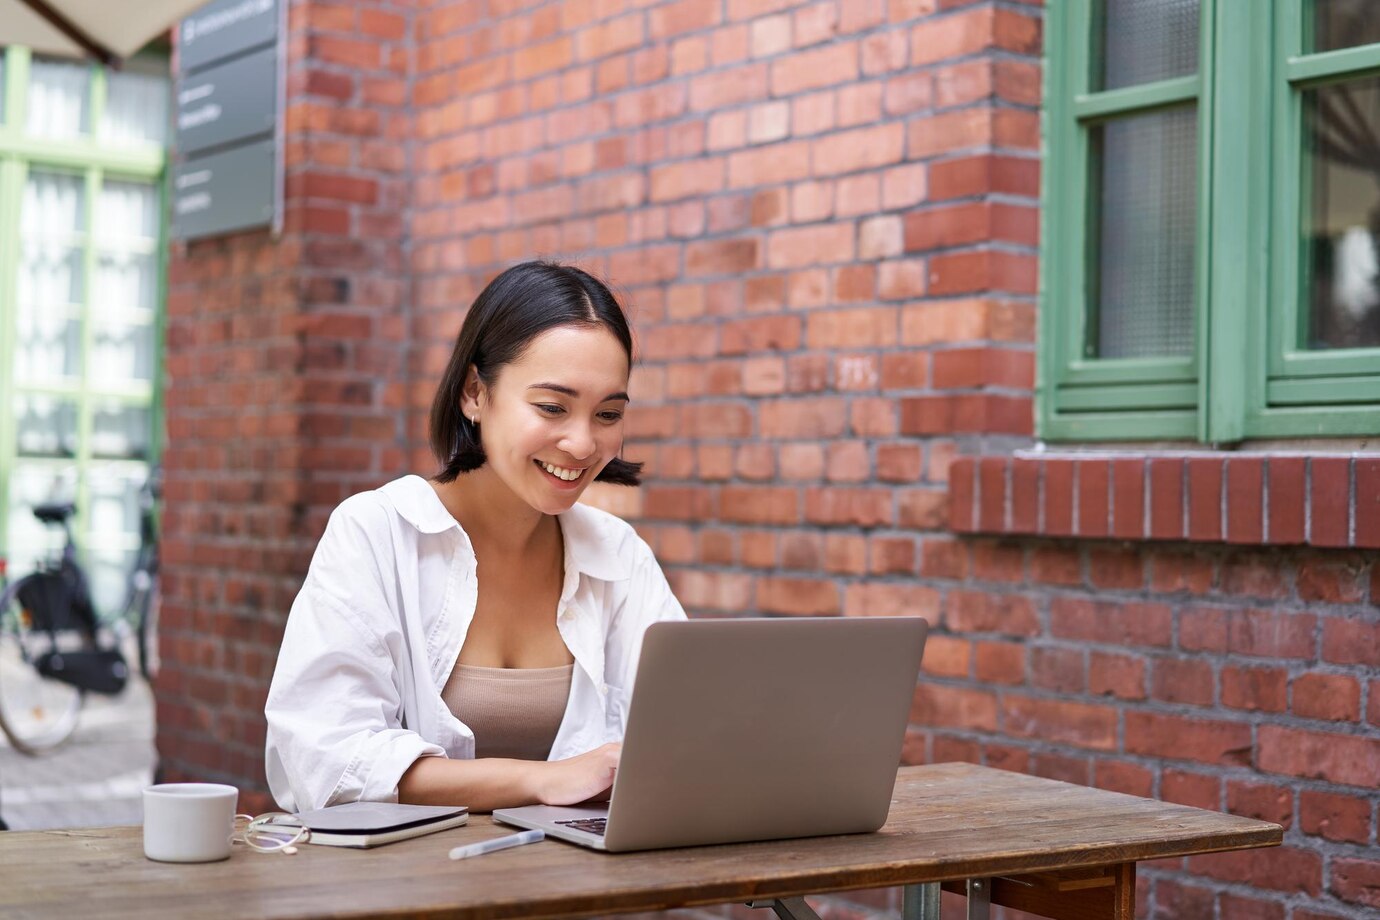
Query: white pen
[{"x": 498, "y": 843}]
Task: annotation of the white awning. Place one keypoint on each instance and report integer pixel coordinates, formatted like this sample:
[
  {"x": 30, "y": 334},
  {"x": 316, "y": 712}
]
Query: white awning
[{"x": 107, "y": 30}]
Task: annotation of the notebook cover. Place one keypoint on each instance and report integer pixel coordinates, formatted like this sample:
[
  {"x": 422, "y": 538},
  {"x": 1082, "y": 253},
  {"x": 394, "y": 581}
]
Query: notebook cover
[{"x": 374, "y": 817}]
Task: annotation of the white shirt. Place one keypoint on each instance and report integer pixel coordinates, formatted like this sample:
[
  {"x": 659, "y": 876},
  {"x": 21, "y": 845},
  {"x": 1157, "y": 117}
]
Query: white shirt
[{"x": 377, "y": 627}]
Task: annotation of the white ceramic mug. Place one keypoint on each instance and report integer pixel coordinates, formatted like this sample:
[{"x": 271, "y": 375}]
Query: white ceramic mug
[{"x": 189, "y": 822}]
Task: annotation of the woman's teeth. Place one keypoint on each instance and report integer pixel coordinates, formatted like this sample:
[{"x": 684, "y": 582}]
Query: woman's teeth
[{"x": 561, "y": 472}]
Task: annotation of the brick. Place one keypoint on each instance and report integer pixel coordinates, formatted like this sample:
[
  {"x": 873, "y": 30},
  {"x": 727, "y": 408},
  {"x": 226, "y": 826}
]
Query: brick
[
  {"x": 1333, "y": 697},
  {"x": 1120, "y": 568},
  {"x": 991, "y": 493},
  {"x": 1331, "y": 581},
  {"x": 1262, "y": 633},
  {"x": 770, "y": 35},
  {"x": 1059, "y": 669},
  {"x": 1255, "y": 575},
  {"x": 1107, "y": 622},
  {"x": 802, "y": 418},
  {"x": 1000, "y": 662},
  {"x": 798, "y": 596},
  {"x": 944, "y": 558},
  {"x": 890, "y": 600},
  {"x": 1057, "y": 513},
  {"x": 1237, "y": 907},
  {"x": 1336, "y": 758},
  {"x": 1176, "y": 680},
  {"x": 953, "y": 707},
  {"x": 838, "y": 506},
  {"x": 891, "y": 556},
  {"x": 901, "y": 463},
  {"x": 1351, "y": 641},
  {"x": 1181, "y": 572},
  {"x": 1079, "y": 724},
  {"x": 1344, "y": 818},
  {"x": 1121, "y": 676},
  {"x": 1166, "y": 498},
  {"x": 864, "y": 328},
  {"x": 1367, "y": 502},
  {"x": 1262, "y": 801},
  {"x": 1128, "y": 778},
  {"x": 672, "y": 19},
  {"x": 1177, "y": 738},
  {"x": 1176, "y": 901},
  {"x": 1278, "y": 869},
  {"x": 1245, "y": 500},
  {"x": 1056, "y": 565},
  {"x": 1093, "y": 478},
  {"x": 1261, "y": 689},
  {"x": 1204, "y": 498},
  {"x": 1025, "y": 496},
  {"x": 998, "y": 561},
  {"x": 947, "y": 656},
  {"x": 864, "y": 148},
  {"x": 807, "y": 70},
  {"x": 966, "y": 272},
  {"x": 1329, "y": 501},
  {"x": 760, "y": 505},
  {"x": 981, "y": 612},
  {"x": 823, "y": 244},
  {"x": 1193, "y": 789},
  {"x": 1356, "y": 881},
  {"x": 961, "y": 368},
  {"x": 1286, "y": 484},
  {"x": 1128, "y": 499}
]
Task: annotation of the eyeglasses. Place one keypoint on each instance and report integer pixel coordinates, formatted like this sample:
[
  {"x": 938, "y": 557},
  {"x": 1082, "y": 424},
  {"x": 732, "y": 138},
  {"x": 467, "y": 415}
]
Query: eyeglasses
[{"x": 270, "y": 833}]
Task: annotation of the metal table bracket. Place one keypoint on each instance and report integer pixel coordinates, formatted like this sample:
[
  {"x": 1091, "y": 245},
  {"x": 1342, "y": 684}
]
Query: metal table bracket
[{"x": 788, "y": 908}]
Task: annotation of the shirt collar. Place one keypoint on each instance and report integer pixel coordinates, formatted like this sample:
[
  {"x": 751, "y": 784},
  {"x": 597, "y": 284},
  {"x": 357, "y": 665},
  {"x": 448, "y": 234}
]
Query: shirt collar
[{"x": 589, "y": 548}]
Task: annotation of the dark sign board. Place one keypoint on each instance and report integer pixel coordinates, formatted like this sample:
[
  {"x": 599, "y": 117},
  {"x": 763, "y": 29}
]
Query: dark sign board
[
  {"x": 221, "y": 192},
  {"x": 228, "y": 171},
  {"x": 227, "y": 102},
  {"x": 223, "y": 28}
]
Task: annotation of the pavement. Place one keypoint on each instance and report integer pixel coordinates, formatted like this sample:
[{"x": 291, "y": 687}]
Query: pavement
[{"x": 96, "y": 779}]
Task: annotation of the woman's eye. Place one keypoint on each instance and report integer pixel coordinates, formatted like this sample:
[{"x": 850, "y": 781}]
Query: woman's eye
[
  {"x": 611, "y": 415},
  {"x": 550, "y": 408}
]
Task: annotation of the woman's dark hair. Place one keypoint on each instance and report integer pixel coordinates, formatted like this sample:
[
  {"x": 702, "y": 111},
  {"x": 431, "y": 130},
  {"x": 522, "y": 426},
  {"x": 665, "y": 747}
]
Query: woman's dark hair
[{"x": 515, "y": 308}]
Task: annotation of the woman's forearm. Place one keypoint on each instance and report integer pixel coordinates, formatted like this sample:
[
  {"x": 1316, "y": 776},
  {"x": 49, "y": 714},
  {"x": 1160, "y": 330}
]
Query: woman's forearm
[{"x": 483, "y": 785}]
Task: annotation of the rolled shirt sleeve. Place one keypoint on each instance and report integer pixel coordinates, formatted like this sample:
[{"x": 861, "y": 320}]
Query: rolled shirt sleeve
[{"x": 337, "y": 727}]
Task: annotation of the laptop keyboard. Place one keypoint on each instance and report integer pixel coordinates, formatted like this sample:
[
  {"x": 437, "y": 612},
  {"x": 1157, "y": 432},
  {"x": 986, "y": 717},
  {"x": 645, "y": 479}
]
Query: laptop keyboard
[{"x": 588, "y": 825}]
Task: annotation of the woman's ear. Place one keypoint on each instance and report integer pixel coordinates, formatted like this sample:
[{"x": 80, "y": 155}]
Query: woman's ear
[{"x": 472, "y": 394}]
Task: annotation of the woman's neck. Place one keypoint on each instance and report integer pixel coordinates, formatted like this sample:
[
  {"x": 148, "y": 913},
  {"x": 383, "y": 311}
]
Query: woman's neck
[{"x": 491, "y": 516}]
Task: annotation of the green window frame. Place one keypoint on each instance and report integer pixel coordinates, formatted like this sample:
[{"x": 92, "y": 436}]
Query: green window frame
[
  {"x": 1250, "y": 373},
  {"x": 94, "y": 163}
]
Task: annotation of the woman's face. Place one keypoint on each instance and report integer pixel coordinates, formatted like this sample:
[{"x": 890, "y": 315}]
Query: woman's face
[{"x": 554, "y": 417}]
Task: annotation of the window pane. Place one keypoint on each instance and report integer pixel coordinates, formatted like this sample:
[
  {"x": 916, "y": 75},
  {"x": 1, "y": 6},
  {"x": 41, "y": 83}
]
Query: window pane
[
  {"x": 1341, "y": 219},
  {"x": 49, "y": 291},
  {"x": 136, "y": 109},
  {"x": 120, "y": 431},
  {"x": 59, "y": 103},
  {"x": 45, "y": 426},
  {"x": 1146, "y": 226},
  {"x": 31, "y": 484},
  {"x": 1344, "y": 24},
  {"x": 1145, "y": 40}
]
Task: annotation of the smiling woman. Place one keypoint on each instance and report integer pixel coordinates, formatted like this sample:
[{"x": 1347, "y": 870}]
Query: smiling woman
[{"x": 470, "y": 639}]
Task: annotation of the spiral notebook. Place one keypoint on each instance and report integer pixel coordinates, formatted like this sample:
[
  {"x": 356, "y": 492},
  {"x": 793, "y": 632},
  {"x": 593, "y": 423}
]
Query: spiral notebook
[{"x": 371, "y": 824}]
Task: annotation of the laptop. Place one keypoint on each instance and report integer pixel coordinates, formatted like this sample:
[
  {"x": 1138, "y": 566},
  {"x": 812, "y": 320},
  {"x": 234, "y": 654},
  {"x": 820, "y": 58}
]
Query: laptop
[{"x": 754, "y": 729}]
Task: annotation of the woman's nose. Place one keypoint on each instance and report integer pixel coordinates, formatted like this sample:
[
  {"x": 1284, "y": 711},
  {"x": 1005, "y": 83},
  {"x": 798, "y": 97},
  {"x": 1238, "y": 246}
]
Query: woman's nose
[{"x": 578, "y": 441}]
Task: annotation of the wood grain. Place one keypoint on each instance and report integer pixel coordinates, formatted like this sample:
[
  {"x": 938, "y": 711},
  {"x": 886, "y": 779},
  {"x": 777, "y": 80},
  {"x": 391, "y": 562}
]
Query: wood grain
[{"x": 947, "y": 821}]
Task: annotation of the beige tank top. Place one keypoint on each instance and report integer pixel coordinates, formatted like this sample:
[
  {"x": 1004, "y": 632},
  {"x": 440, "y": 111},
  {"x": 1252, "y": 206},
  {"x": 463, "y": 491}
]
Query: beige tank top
[{"x": 513, "y": 712}]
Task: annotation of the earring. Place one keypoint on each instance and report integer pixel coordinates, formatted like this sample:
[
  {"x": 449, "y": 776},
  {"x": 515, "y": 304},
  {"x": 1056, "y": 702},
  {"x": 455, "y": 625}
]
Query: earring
[{"x": 474, "y": 421}]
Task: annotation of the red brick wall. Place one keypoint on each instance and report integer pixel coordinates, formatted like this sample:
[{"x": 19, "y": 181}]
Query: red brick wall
[
  {"x": 286, "y": 385},
  {"x": 823, "y": 216}
]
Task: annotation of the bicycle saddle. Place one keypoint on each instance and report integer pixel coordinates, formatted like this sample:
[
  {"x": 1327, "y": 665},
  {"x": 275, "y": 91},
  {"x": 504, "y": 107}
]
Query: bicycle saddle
[{"x": 54, "y": 513}]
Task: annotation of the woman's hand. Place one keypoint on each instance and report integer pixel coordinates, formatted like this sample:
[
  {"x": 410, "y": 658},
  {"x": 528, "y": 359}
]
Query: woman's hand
[{"x": 584, "y": 778}]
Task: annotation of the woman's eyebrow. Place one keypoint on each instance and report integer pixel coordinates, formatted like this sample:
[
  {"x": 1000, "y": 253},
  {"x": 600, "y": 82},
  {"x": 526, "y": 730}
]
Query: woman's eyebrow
[{"x": 560, "y": 388}]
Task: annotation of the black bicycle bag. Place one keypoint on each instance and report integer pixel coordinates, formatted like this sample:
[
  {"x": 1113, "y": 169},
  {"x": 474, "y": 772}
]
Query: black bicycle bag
[{"x": 57, "y": 603}]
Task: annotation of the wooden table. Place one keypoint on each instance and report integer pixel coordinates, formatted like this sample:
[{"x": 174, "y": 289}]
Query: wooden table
[{"x": 1053, "y": 848}]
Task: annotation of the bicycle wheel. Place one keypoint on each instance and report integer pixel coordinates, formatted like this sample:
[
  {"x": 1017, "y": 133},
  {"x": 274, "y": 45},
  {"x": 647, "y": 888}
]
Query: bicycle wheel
[{"x": 37, "y": 713}]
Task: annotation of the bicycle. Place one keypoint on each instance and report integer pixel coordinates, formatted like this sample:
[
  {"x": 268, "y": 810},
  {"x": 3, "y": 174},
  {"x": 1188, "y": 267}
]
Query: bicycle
[{"x": 54, "y": 649}]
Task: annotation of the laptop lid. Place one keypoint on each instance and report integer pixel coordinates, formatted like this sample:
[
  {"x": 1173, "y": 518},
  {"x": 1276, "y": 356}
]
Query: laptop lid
[{"x": 760, "y": 729}]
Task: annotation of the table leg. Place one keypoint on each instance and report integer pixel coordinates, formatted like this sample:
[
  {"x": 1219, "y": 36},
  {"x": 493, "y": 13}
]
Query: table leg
[
  {"x": 920, "y": 902},
  {"x": 979, "y": 898}
]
